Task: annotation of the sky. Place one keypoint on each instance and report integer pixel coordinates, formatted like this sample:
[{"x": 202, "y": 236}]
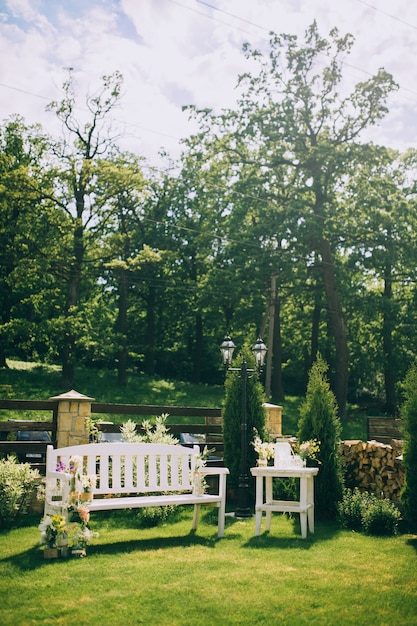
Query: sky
[{"x": 179, "y": 52}]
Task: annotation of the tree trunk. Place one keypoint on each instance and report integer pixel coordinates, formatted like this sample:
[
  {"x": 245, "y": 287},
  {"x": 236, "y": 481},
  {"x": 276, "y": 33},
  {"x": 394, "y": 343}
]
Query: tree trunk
[
  {"x": 122, "y": 331},
  {"x": 315, "y": 327},
  {"x": 338, "y": 327},
  {"x": 198, "y": 348},
  {"x": 73, "y": 295},
  {"x": 277, "y": 387},
  {"x": 387, "y": 326},
  {"x": 150, "y": 365}
]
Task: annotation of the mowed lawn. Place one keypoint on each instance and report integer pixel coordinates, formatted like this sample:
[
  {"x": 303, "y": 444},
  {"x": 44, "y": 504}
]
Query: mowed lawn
[{"x": 169, "y": 575}]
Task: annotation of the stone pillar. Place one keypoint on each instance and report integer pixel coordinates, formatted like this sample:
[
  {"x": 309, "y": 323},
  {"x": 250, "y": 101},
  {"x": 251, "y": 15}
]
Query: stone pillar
[
  {"x": 74, "y": 410},
  {"x": 273, "y": 418}
]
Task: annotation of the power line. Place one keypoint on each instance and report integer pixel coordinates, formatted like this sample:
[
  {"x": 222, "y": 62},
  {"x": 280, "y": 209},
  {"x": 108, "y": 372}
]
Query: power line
[
  {"x": 393, "y": 17},
  {"x": 358, "y": 69}
]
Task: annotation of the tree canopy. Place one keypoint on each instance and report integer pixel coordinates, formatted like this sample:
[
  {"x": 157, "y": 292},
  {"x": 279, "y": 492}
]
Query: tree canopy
[{"x": 278, "y": 218}]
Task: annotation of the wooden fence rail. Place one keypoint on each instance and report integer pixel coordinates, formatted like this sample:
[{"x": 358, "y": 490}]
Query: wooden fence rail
[
  {"x": 210, "y": 431},
  {"x": 384, "y": 429}
]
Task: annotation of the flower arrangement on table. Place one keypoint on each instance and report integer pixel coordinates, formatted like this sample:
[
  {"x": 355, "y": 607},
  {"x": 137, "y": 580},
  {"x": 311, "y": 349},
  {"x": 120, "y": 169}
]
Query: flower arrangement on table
[
  {"x": 265, "y": 449},
  {"x": 309, "y": 450}
]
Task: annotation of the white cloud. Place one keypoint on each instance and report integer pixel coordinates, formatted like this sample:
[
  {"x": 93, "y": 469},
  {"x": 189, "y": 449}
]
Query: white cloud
[{"x": 177, "y": 52}]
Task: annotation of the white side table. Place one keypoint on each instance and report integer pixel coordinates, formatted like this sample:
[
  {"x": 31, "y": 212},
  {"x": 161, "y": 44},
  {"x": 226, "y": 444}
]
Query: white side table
[{"x": 305, "y": 506}]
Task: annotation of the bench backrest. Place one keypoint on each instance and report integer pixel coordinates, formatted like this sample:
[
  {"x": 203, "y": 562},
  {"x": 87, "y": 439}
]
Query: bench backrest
[{"x": 131, "y": 467}]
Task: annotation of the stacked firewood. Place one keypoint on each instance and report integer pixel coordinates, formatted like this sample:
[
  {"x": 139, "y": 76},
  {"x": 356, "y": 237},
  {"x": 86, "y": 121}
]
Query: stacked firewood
[{"x": 374, "y": 467}]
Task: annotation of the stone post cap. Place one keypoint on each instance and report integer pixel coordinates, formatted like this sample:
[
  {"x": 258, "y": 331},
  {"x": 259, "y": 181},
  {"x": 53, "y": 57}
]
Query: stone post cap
[
  {"x": 72, "y": 395},
  {"x": 267, "y": 405}
]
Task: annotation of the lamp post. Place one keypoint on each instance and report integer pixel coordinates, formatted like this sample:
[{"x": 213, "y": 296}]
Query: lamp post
[{"x": 259, "y": 349}]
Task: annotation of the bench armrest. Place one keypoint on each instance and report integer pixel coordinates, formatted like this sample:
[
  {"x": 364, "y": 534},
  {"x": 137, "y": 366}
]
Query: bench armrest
[
  {"x": 213, "y": 471},
  {"x": 51, "y": 483},
  {"x": 57, "y": 474}
]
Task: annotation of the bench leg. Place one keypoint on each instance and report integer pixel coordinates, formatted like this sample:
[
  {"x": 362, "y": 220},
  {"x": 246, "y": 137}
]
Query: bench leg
[
  {"x": 196, "y": 516},
  {"x": 221, "y": 517},
  {"x": 303, "y": 523}
]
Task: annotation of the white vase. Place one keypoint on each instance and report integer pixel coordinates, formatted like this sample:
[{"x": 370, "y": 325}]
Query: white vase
[{"x": 262, "y": 462}]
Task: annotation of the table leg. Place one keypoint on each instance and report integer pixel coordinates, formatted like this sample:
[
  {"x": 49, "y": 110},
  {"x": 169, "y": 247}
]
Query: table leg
[
  {"x": 268, "y": 500},
  {"x": 258, "y": 504},
  {"x": 310, "y": 500},
  {"x": 303, "y": 505}
]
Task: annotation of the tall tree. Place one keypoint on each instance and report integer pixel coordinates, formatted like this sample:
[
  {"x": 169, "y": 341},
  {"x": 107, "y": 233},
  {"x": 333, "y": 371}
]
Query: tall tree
[
  {"x": 381, "y": 239},
  {"x": 82, "y": 144},
  {"x": 296, "y": 126},
  {"x": 24, "y": 244},
  {"x": 122, "y": 188}
]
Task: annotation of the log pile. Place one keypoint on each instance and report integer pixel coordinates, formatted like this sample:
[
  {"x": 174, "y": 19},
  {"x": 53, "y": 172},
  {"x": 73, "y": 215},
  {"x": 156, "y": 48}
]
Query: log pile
[{"x": 374, "y": 467}]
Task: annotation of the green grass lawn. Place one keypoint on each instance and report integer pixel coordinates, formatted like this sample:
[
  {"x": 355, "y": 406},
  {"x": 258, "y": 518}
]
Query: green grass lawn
[{"x": 169, "y": 575}]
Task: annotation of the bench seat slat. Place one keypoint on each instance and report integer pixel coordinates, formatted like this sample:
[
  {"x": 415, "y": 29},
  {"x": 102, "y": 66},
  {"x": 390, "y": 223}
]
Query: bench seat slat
[{"x": 135, "y": 502}]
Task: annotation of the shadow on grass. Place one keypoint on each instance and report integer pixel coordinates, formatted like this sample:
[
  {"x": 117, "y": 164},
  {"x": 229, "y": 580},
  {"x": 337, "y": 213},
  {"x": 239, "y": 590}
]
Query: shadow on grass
[
  {"x": 412, "y": 542},
  {"x": 33, "y": 559},
  {"x": 324, "y": 531}
]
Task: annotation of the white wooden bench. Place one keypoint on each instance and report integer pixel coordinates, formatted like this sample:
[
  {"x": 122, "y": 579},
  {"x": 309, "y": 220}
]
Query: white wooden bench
[{"x": 134, "y": 475}]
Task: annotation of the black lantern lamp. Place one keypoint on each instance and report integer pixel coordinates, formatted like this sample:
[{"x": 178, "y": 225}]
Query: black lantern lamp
[
  {"x": 259, "y": 350},
  {"x": 227, "y": 348}
]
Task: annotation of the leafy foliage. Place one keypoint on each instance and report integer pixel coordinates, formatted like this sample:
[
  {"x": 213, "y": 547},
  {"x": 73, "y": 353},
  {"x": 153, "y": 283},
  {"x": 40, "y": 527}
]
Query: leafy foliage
[
  {"x": 409, "y": 415},
  {"x": 365, "y": 512},
  {"x": 18, "y": 483}
]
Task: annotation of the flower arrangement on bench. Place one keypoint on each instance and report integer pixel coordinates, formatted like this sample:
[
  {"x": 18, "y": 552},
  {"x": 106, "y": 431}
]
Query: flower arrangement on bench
[
  {"x": 81, "y": 484},
  {"x": 57, "y": 535},
  {"x": 80, "y": 533},
  {"x": 54, "y": 535}
]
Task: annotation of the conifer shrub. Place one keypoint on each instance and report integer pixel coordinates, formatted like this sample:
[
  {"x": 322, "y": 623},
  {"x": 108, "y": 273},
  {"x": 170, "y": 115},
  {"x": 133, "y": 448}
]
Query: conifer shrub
[
  {"x": 409, "y": 417},
  {"x": 232, "y": 417},
  {"x": 319, "y": 420}
]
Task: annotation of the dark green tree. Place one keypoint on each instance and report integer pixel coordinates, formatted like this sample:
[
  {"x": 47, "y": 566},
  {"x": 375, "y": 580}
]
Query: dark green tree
[
  {"x": 27, "y": 296},
  {"x": 409, "y": 416},
  {"x": 319, "y": 420},
  {"x": 232, "y": 416}
]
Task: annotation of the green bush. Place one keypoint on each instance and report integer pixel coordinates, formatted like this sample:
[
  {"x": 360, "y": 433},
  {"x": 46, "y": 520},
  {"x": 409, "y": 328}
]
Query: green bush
[
  {"x": 381, "y": 518},
  {"x": 151, "y": 516},
  {"x": 365, "y": 512},
  {"x": 18, "y": 483},
  {"x": 352, "y": 507}
]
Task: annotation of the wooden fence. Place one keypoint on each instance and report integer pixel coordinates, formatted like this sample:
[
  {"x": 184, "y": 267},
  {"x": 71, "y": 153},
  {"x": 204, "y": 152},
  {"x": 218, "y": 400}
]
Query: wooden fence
[
  {"x": 210, "y": 431},
  {"x": 384, "y": 429}
]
